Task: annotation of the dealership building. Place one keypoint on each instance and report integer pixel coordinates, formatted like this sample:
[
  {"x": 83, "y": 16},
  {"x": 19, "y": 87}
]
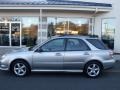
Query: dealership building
[{"x": 24, "y": 23}]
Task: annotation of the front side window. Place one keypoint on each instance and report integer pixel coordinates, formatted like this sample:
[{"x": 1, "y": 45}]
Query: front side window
[
  {"x": 76, "y": 45},
  {"x": 53, "y": 46}
]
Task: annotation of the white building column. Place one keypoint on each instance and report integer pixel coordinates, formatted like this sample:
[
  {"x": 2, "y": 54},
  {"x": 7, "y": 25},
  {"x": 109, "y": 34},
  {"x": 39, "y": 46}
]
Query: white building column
[
  {"x": 117, "y": 36},
  {"x": 39, "y": 37},
  {"x": 97, "y": 26}
]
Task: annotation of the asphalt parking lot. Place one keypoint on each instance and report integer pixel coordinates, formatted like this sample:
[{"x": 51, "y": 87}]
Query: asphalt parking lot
[
  {"x": 110, "y": 80},
  {"x": 60, "y": 81}
]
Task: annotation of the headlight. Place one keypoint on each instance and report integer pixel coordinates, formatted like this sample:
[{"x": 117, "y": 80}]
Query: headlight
[{"x": 3, "y": 56}]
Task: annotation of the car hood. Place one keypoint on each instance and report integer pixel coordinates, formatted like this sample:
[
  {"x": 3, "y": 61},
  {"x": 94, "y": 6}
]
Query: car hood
[
  {"x": 21, "y": 50},
  {"x": 19, "y": 54},
  {"x": 18, "y": 50}
]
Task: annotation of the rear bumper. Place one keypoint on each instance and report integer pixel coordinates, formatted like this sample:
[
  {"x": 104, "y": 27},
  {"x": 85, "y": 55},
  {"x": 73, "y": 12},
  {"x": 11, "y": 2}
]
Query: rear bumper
[{"x": 107, "y": 64}]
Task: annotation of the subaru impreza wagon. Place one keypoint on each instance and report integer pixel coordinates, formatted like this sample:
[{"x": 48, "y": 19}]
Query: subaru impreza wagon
[{"x": 61, "y": 54}]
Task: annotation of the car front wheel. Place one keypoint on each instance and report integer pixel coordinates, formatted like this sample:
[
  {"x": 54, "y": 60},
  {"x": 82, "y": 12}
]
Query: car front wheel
[
  {"x": 93, "y": 69},
  {"x": 20, "y": 68}
]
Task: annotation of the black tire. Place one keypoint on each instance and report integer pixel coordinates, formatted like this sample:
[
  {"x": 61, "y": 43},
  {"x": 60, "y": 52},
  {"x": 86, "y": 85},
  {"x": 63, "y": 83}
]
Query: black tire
[
  {"x": 24, "y": 67},
  {"x": 94, "y": 72}
]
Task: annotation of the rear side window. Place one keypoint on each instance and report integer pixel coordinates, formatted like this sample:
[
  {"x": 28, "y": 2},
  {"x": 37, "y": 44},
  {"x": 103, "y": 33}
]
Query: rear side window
[
  {"x": 98, "y": 44},
  {"x": 76, "y": 45}
]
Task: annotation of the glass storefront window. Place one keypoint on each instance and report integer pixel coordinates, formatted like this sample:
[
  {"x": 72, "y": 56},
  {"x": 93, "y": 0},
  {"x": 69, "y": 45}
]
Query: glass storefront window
[
  {"x": 61, "y": 26},
  {"x": 108, "y": 31},
  {"x": 78, "y": 26},
  {"x": 15, "y": 34},
  {"x": 14, "y": 18},
  {"x": 74, "y": 26},
  {"x": 51, "y": 26},
  {"x": 4, "y": 34},
  {"x": 10, "y": 31},
  {"x": 57, "y": 26},
  {"x": 17, "y": 31},
  {"x": 29, "y": 30}
]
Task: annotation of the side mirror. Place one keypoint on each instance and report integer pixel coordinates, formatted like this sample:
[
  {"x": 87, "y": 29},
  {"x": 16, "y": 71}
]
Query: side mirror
[
  {"x": 30, "y": 48},
  {"x": 39, "y": 50}
]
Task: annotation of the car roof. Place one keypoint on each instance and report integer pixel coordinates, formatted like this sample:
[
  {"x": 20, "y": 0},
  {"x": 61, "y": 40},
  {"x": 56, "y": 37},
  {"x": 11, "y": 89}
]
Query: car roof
[{"x": 75, "y": 36}]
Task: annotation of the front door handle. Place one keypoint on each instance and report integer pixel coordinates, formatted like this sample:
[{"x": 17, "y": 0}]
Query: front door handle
[{"x": 58, "y": 54}]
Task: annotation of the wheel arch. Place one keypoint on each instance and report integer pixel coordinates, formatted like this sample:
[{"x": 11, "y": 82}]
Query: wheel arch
[
  {"x": 19, "y": 59},
  {"x": 94, "y": 60}
]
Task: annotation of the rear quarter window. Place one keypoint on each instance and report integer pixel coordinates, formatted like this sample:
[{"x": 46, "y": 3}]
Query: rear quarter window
[{"x": 98, "y": 44}]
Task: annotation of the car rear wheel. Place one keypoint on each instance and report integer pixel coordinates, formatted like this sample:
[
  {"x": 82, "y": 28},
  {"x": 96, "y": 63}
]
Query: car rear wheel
[
  {"x": 20, "y": 68},
  {"x": 93, "y": 69}
]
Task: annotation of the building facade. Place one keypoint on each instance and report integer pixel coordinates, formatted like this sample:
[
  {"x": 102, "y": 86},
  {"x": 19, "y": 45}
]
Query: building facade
[{"x": 28, "y": 22}]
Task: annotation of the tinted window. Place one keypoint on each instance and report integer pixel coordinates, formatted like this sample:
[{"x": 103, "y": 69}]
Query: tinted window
[
  {"x": 97, "y": 43},
  {"x": 76, "y": 45},
  {"x": 54, "y": 45}
]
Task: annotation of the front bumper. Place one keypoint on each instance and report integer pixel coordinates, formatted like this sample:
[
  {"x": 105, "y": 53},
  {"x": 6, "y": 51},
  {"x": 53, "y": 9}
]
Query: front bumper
[
  {"x": 3, "y": 66},
  {"x": 109, "y": 63}
]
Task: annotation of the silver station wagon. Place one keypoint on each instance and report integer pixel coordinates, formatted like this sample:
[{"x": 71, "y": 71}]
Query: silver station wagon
[{"x": 63, "y": 54}]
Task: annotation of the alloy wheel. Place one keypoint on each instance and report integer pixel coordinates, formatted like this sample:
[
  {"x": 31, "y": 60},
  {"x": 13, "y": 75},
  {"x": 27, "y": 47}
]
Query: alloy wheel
[
  {"x": 20, "y": 69},
  {"x": 93, "y": 70}
]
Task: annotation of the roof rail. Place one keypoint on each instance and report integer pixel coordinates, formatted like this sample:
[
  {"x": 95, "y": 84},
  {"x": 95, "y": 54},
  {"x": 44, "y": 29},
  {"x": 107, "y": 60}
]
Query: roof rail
[{"x": 92, "y": 36}]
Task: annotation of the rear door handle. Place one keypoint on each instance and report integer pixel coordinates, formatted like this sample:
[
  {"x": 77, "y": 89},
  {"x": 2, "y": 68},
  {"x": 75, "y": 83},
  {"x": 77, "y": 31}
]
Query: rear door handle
[{"x": 58, "y": 54}]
